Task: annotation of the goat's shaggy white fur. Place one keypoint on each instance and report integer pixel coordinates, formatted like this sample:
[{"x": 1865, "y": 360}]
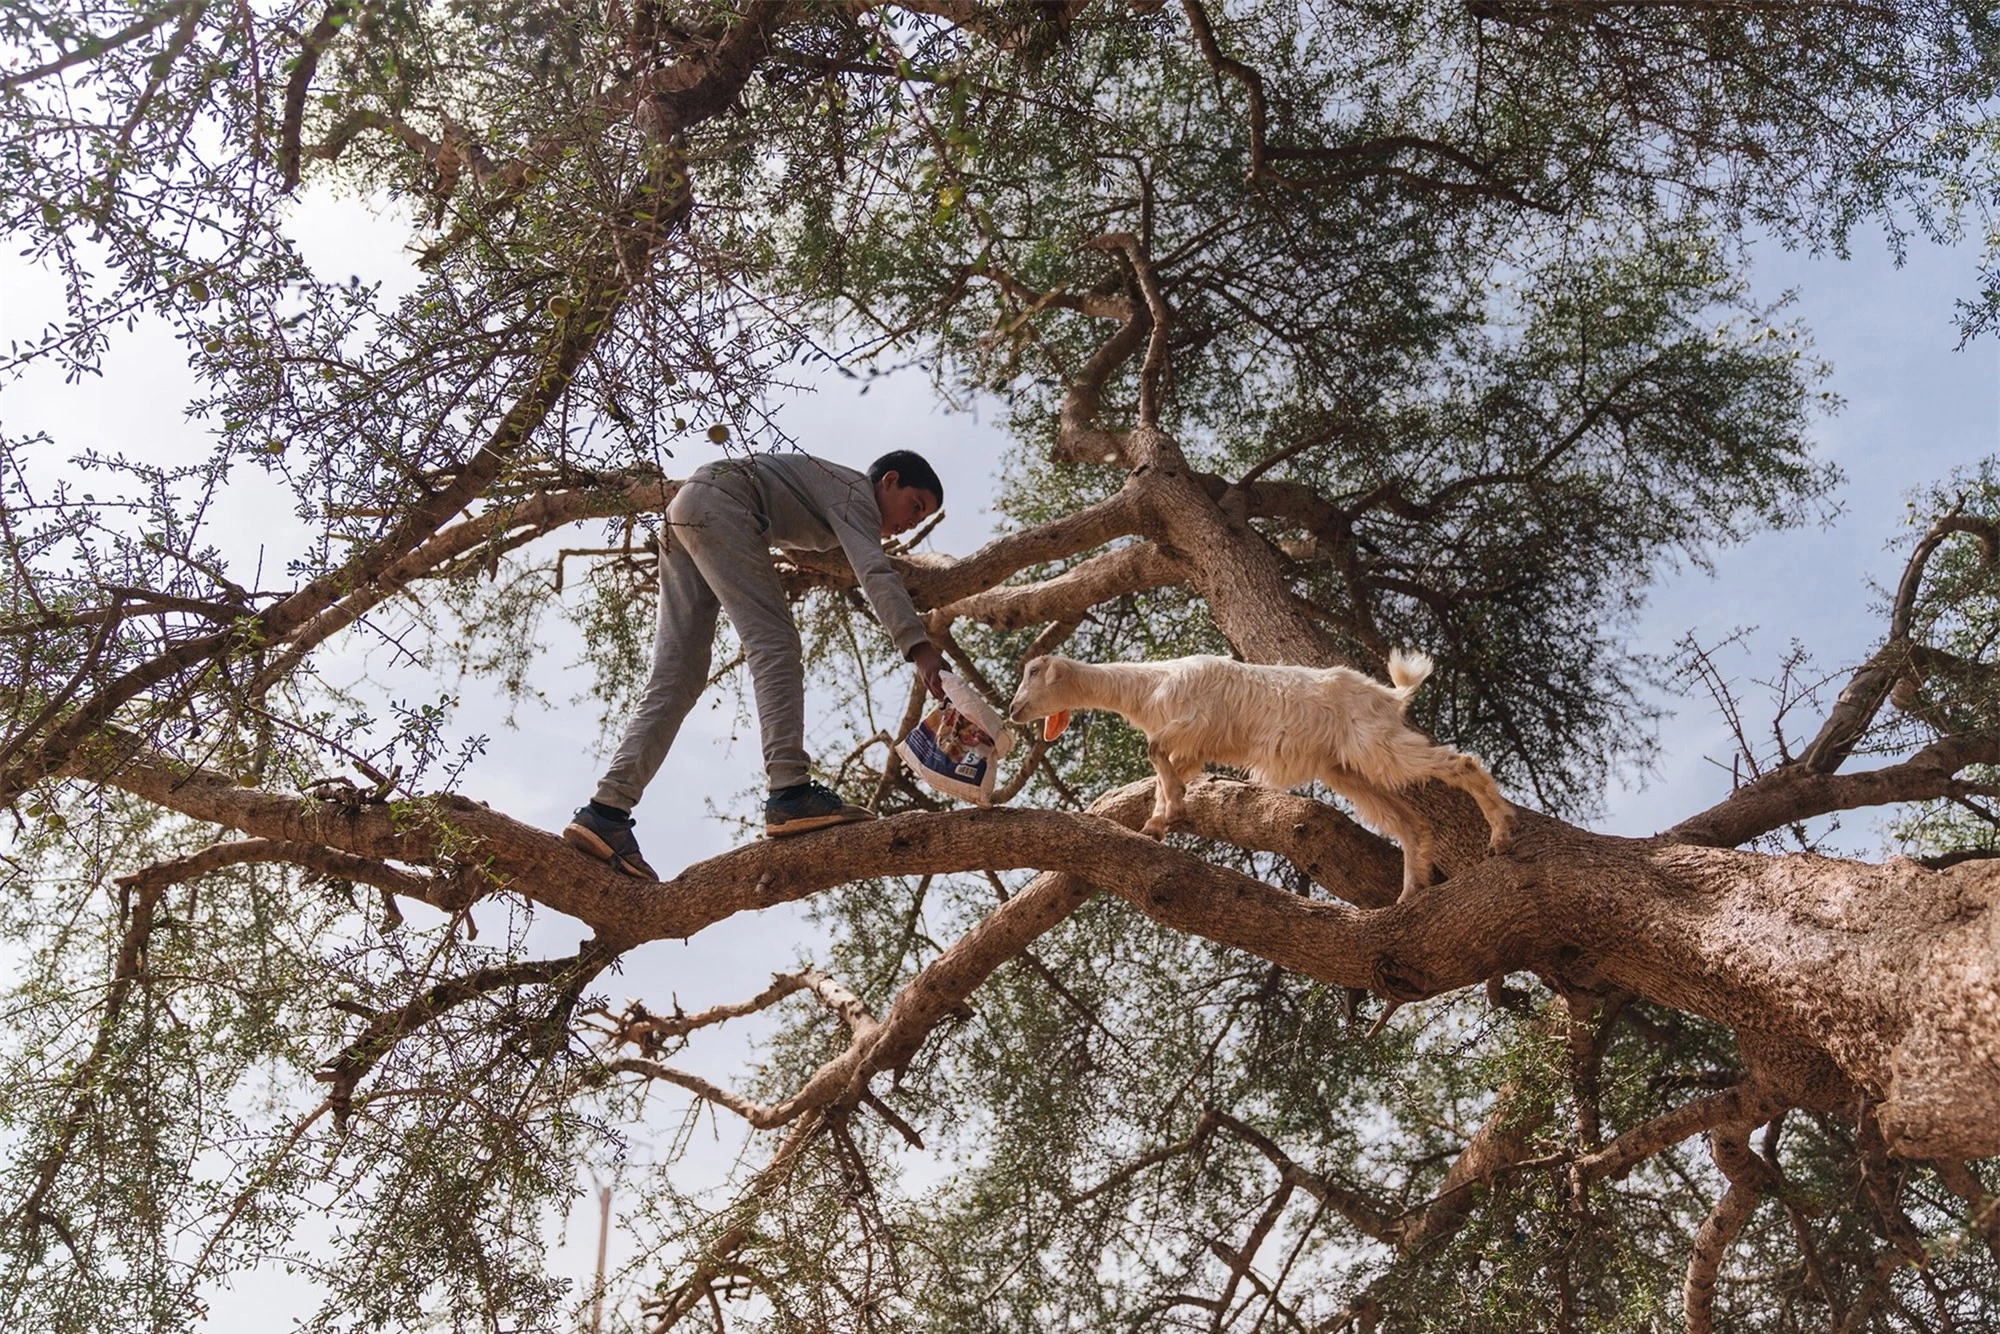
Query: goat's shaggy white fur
[{"x": 1285, "y": 725}]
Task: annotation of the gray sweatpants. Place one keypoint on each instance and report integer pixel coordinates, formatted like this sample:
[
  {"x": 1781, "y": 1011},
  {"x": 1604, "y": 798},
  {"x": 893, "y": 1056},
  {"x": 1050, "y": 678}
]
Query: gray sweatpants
[{"x": 716, "y": 556}]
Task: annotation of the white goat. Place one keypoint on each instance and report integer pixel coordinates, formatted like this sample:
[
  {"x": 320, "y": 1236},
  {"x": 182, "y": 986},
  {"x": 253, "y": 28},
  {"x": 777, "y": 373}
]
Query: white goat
[{"x": 1286, "y": 725}]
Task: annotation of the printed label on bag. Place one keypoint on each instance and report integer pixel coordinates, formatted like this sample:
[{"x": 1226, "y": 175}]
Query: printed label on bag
[{"x": 956, "y": 748}]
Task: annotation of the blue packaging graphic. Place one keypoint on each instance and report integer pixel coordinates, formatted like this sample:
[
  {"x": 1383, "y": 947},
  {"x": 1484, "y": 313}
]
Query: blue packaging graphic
[{"x": 957, "y": 747}]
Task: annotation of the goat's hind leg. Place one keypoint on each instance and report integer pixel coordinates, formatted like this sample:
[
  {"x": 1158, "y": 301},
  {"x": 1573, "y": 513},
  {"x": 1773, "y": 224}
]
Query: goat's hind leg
[
  {"x": 1467, "y": 774},
  {"x": 1397, "y": 818},
  {"x": 1169, "y": 792}
]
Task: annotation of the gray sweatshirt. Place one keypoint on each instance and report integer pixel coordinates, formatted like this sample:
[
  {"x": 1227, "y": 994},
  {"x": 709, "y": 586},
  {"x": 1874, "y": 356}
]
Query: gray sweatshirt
[{"x": 813, "y": 505}]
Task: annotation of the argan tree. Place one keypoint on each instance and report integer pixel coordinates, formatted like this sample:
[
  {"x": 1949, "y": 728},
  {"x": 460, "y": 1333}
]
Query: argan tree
[{"x": 1322, "y": 329}]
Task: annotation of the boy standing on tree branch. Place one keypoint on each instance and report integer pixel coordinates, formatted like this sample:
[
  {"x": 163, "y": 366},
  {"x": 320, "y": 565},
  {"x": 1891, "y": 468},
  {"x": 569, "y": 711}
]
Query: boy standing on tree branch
[{"x": 720, "y": 529}]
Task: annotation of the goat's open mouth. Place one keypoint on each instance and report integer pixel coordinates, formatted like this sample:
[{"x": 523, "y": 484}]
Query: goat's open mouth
[{"x": 1053, "y": 725}]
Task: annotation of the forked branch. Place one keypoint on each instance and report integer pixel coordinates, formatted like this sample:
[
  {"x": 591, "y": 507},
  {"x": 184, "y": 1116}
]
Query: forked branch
[
  {"x": 1862, "y": 698},
  {"x": 1159, "y": 320},
  {"x": 1741, "y": 1103},
  {"x": 1370, "y": 157}
]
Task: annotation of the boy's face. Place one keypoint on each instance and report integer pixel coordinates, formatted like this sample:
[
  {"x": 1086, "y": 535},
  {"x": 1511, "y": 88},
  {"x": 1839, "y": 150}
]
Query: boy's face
[{"x": 903, "y": 507}]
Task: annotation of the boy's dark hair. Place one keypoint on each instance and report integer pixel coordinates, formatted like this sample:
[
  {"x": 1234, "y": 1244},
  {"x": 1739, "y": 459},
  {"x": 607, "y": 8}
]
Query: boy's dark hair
[{"x": 911, "y": 469}]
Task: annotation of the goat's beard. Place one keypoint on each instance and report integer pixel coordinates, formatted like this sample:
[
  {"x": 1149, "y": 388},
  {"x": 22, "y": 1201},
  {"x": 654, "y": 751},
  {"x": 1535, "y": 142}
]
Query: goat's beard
[{"x": 1053, "y": 725}]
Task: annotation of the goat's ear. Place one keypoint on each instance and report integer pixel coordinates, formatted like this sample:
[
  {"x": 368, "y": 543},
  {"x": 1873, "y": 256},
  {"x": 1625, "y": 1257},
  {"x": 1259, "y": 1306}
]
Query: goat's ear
[{"x": 1053, "y": 725}]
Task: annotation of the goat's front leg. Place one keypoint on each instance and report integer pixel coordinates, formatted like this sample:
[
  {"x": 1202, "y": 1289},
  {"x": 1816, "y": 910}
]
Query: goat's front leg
[{"x": 1169, "y": 793}]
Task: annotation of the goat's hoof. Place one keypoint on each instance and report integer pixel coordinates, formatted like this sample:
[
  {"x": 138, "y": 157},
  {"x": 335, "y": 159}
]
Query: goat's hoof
[
  {"x": 1154, "y": 829},
  {"x": 1502, "y": 844}
]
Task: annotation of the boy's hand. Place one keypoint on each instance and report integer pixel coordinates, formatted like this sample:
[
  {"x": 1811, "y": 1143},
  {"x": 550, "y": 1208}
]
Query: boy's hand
[{"x": 929, "y": 662}]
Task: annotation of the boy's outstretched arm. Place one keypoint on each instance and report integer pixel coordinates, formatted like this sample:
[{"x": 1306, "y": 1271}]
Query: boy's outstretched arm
[{"x": 861, "y": 542}]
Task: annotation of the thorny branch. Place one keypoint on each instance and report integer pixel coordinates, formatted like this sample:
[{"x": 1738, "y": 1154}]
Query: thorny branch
[
  {"x": 96, "y": 48},
  {"x": 1809, "y": 786},
  {"x": 140, "y": 915},
  {"x": 567, "y": 976},
  {"x": 1370, "y": 157}
]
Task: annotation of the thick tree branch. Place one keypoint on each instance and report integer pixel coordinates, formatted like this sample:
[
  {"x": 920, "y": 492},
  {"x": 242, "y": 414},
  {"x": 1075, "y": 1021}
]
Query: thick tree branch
[
  {"x": 1647, "y": 918},
  {"x": 939, "y": 989},
  {"x": 313, "y": 856},
  {"x": 945, "y": 984},
  {"x": 1797, "y": 792},
  {"x": 936, "y": 991},
  {"x": 1500, "y": 1142},
  {"x": 1079, "y": 439},
  {"x": 1740, "y": 1103},
  {"x": 304, "y": 66},
  {"x": 564, "y": 350},
  {"x": 1096, "y": 304},
  {"x": 1983, "y": 1206},
  {"x": 1329, "y": 848},
  {"x": 1137, "y": 568},
  {"x": 129, "y": 602},
  {"x": 1862, "y": 698},
  {"x": 936, "y": 582},
  {"x": 1747, "y": 1185},
  {"x": 1809, "y": 786},
  {"x": 764, "y": 874},
  {"x": 932, "y": 580},
  {"x": 504, "y": 523},
  {"x": 1159, "y": 319},
  {"x": 1252, "y": 81}
]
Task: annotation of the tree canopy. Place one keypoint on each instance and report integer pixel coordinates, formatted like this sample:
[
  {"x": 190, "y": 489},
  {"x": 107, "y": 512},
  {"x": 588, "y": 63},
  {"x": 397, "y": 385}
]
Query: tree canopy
[{"x": 1322, "y": 329}]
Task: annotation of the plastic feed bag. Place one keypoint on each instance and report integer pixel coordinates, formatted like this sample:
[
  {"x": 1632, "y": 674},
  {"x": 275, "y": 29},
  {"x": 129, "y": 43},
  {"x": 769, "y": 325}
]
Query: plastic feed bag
[{"x": 958, "y": 746}]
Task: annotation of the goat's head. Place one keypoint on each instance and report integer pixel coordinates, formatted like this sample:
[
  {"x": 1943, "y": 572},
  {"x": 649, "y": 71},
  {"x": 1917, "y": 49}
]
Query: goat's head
[{"x": 1043, "y": 694}]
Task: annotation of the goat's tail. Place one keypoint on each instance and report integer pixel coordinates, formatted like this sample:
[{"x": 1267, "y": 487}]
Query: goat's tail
[{"x": 1409, "y": 670}]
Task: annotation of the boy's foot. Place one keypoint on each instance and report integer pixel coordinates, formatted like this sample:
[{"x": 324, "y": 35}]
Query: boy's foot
[
  {"x": 794, "y": 810},
  {"x": 607, "y": 839}
]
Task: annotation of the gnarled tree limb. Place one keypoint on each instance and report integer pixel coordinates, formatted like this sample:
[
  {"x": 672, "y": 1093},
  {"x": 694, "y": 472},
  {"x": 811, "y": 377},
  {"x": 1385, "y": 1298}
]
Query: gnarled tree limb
[
  {"x": 1796, "y": 792},
  {"x": 1749, "y": 1180},
  {"x": 1862, "y": 697}
]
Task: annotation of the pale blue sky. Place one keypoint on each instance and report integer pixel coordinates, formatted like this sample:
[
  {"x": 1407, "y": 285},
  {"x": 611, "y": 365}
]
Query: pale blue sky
[{"x": 1915, "y": 409}]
